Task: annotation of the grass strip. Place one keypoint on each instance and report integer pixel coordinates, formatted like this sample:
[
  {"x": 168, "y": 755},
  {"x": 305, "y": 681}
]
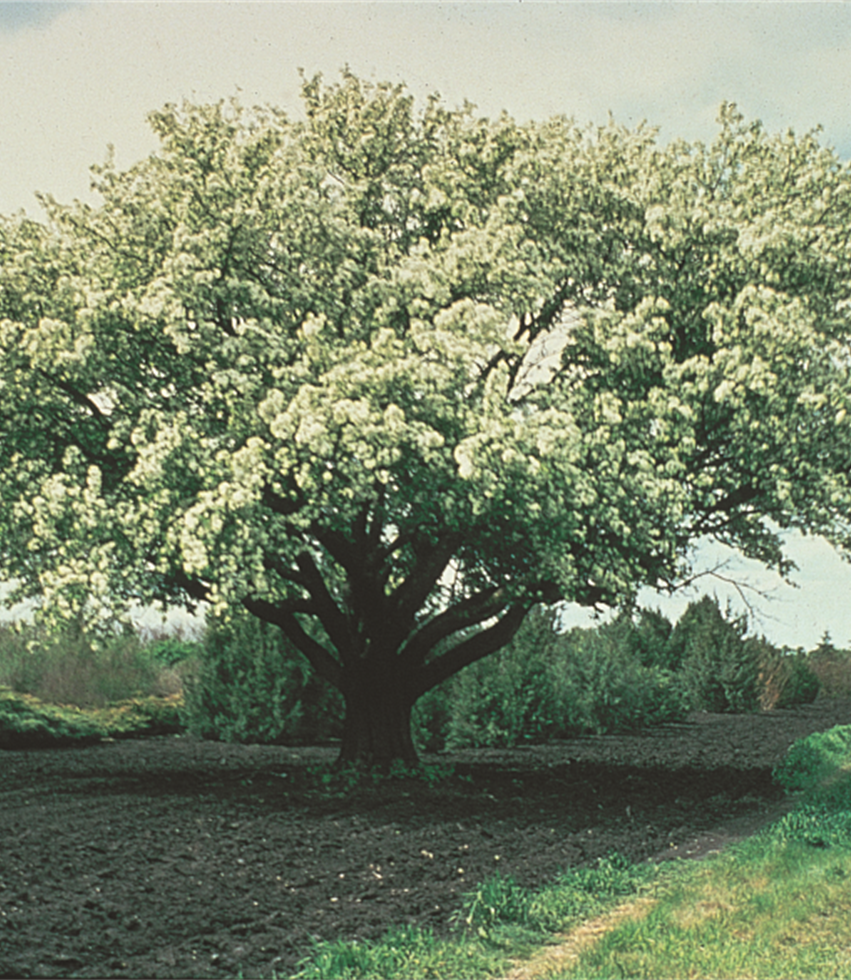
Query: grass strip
[{"x": 765, "y": 910}]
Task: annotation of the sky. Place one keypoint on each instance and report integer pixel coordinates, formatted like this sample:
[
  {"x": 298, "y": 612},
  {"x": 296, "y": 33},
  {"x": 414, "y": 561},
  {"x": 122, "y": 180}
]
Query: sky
[{"x": 78, "y": 77}]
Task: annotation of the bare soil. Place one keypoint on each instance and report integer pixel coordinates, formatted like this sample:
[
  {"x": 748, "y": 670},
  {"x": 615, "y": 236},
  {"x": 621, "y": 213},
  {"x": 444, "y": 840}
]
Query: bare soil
[{"x": 173, "y": 857}]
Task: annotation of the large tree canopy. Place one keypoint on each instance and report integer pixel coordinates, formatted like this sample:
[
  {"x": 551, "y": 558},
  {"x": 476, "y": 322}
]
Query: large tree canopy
[{"x": 299, "y": 366}]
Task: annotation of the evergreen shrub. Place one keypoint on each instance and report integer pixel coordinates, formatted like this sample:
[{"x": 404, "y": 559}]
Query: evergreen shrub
[
  {"x": 507, "y": 697},
  {"x": 786, "y": 678},
  {"x": 548, "y": 684},
  {"x": 250, "y": 684},
  {"x": 599, "y": 686},
  {"x": 832, "y": 667},
  {"x": 27, "y": 723},
  {"x": 719, "y": 666}
]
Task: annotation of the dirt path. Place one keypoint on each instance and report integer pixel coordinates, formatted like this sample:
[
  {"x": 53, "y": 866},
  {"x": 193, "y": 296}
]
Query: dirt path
[
  {"x": 567, "y": 949},
  {"x": 173, "y": 857}
]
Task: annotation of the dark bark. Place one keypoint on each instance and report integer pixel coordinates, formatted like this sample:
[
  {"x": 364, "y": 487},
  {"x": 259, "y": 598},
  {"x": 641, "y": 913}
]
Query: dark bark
[{"x": 377, "y": 728}]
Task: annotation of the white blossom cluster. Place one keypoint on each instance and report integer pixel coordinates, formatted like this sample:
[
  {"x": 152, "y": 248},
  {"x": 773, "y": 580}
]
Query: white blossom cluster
[{"x": 547, "y": 356}]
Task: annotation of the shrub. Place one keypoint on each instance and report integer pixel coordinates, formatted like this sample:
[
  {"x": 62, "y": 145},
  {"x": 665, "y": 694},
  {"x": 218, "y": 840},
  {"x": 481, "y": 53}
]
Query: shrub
[
  {"x": 513, "y": 696},
  {"x": 813, "y": 759},
  {"x": 785, "y": 678},
  {"x": 506, "y": 698},
  {"x": 599, "y": 687},
  {"x": 832, "y": 667},
  {"x": 250, "y": 684},
  {"x": 431, "y": 717},
  {"x": 73, "y": 668},
  {"x": 719, "y": 667},
  {"x": 547, "y": 684},
  {"x": 173, "y": 649}
]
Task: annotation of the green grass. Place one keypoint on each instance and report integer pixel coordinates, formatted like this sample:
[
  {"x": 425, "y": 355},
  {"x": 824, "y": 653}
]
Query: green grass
[
  {"x": 408, "y": 953},
  {"x": 764, "y": 910}
]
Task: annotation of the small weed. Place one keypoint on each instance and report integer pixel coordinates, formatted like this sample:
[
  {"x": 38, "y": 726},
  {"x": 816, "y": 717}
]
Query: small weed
[
  {"x": 496, "y": 902},
  {"x": 339, "y": 781}
]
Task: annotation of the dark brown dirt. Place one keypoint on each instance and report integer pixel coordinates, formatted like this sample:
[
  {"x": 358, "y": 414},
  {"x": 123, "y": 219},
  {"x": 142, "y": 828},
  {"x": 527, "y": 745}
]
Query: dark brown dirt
[{"x": 172, "y": 857}]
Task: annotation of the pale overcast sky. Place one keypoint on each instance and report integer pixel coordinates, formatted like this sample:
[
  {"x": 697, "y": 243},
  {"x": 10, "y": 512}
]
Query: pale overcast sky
[{"x": 79, "y": 76}]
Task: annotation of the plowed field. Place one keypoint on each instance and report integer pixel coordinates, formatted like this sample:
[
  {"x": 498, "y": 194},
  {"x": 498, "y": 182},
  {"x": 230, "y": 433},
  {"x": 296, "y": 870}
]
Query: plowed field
[{"x": 173, "y": 857}]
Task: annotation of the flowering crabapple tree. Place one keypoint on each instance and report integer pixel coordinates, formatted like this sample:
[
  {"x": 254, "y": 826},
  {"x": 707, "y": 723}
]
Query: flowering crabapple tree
[{"x": 387, "y": 376}]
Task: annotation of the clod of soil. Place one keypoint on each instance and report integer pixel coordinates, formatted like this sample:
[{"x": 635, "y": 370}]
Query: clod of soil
[{"x": 173, "y": 857}]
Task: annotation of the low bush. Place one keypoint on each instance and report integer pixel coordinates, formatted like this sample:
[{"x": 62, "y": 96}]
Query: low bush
[
  {"x": 135, "y": 717},
  {"x": 28, "y": 723},
  {"x": 812, "y": 760},
  {"x": 630, "y": 673}
]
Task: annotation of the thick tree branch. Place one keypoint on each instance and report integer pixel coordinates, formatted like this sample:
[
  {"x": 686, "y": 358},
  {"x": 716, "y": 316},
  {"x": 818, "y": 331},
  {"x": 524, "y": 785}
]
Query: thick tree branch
[
  {"x": 468, "y": 612},
  {"x": 366, "y": 594},
  {"x": 83, "y": 400},
  {"x": 477, "y": 647},
  {"x": 280, "y": 505},
  {"x": 274, "y": 564},
  {"x": 194, "y": 588},
  {"x": 429, "y": 566},
  {"x": 335, "y": 622},
  {"x": 319, "y": 658}
]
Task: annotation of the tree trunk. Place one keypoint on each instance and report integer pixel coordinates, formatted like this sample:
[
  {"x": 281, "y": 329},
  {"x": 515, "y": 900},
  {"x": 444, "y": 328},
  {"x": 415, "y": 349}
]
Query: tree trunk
[{"x": 377, "y": 728}]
